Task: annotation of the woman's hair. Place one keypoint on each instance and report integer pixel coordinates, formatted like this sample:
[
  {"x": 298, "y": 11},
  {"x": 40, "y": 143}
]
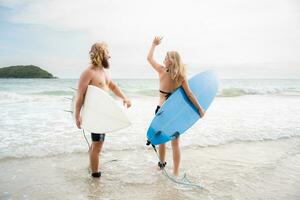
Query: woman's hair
[
  {"x": 97, "y": 54},
  {"x": 177, "y": 69}
]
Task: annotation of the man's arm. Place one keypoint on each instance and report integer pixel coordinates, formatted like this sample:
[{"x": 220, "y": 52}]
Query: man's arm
[
  {"x": 84, "y": 81},
  {"x": 117, "y": 91}
]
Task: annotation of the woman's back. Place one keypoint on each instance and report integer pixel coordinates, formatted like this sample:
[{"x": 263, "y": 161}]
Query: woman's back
[{"x": 166, "y": 86}]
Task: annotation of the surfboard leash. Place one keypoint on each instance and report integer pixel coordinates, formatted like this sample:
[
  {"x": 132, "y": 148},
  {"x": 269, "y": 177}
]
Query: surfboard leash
[
  {"x": 184, "y": 181},
  {"x": 86, "y": 139}
]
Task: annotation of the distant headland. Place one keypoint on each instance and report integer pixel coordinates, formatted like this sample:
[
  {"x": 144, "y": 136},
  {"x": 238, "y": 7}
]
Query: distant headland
[{"x": 24, "y": 71}]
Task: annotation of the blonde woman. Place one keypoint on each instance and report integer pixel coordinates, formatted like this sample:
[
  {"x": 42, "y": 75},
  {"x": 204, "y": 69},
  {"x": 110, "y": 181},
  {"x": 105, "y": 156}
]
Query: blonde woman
[
  {"x": 171, "y": 76},
  {"x": 96, "y": 75}
]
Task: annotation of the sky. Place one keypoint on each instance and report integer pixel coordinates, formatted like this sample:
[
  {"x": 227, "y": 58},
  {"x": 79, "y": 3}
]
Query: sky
[{"x": 237, "y": 38}]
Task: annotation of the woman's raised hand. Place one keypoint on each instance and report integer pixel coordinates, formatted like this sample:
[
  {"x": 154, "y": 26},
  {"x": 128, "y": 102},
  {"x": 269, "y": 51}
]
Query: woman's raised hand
[{"x": 157, "y": 40}]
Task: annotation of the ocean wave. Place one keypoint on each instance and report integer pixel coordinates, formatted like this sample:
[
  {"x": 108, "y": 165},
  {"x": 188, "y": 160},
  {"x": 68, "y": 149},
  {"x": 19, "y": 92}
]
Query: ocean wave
[
  {"x": 10, "y": 97},
  {"x": 55, "y": 93},
  {"x": 232, "y": 92},
  {"x": 83, "y": 149},
  {"x": 223, "y": 92},
  {"x": 150, "y": 92}
]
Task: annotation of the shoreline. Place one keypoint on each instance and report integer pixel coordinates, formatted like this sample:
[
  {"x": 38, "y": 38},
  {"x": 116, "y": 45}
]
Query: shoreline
[
  {"x": 183, "y": 148},
  {"x": 238, "y": 170}
]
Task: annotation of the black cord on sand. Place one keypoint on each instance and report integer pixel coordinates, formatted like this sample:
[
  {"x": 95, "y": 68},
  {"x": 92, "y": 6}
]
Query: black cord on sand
[{"x": 86, "y": 139}]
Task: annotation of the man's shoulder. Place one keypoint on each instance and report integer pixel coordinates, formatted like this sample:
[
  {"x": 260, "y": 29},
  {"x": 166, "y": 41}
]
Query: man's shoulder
[
  {"x": 89, "y": 69},
  {"x": 88, "y": 72}
]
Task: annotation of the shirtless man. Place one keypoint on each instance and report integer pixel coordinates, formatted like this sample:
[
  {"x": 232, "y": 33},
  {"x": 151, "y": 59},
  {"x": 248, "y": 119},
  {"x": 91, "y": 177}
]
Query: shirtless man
[{"x": 96, "y": 75}]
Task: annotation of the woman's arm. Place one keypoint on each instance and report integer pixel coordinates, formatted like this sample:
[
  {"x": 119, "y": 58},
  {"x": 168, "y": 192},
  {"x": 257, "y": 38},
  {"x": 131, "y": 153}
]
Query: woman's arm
[
  {"x": 84, "y": 81},
  {"x": 117, "y": 91},
  {"x": 192, "y": 98},
  {"x": 158, "y": 67}
]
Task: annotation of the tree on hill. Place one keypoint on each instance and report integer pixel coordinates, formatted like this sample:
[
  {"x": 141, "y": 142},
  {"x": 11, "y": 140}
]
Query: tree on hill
[{"x": 24, "y": 71}]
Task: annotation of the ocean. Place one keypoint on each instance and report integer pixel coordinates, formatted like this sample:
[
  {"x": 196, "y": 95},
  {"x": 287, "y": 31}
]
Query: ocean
[{"x": 246, "y": 147}]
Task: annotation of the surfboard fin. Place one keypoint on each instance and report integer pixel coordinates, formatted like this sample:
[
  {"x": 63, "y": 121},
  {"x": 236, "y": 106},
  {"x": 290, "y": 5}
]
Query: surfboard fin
[
  {"x": 159, "y": 113},
  {"x": 157, "y": 133},
  {"x": 175, "y": 135},
  {"x": 69, "y": 111}
]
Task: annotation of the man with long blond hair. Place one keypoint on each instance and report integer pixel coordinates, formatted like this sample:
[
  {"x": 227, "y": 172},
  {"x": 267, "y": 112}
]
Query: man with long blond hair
[{"x": 96, "y": 75}]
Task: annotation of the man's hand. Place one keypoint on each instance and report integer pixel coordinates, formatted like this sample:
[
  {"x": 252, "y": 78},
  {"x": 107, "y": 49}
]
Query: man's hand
[
  {"x": 78, "y": 122},
  {"x": 126, "y": 102}
]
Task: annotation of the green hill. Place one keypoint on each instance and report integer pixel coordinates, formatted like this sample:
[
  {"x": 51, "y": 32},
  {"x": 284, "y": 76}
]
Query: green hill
[{"x": 24, "y": 71}]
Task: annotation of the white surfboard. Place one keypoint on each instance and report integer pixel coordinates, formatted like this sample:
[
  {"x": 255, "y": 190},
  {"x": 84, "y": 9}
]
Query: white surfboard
[{"x": 100, "y": 113}]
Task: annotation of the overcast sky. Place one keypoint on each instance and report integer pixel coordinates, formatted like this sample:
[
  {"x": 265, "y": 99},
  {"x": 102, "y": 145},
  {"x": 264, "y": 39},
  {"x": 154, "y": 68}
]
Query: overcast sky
[{"x": 237, "y": 38}]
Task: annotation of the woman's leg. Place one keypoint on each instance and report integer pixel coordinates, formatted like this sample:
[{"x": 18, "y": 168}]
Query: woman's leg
[
  {"x": 176, "y": 156},
  {"x": 162, "y": 153}
]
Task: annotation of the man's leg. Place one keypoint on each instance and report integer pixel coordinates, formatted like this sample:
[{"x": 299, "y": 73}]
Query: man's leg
[
  {"x": 94, "y": 155},
  {"x": 96, "y": 147}
]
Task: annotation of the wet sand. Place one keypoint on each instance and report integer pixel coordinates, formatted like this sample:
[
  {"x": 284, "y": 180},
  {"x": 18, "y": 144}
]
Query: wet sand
[{"x": 239, "y": 170}]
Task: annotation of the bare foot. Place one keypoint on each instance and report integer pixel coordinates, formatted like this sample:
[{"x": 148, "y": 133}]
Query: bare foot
[{"x": 175, "y": 173}]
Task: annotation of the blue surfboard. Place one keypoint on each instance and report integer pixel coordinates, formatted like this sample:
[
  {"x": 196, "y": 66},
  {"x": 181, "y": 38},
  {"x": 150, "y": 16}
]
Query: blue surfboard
[{"x": 178, "y": 113}]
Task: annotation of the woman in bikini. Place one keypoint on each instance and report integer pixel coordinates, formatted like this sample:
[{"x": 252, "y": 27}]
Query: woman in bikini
[{"x": 171, "y": 76}]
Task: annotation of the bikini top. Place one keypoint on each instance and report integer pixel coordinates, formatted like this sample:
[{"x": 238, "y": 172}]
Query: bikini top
[{"x": 167, "y": 94}]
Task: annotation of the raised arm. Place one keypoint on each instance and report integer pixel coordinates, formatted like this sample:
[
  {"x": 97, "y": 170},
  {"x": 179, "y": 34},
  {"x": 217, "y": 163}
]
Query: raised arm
[
  {"x": 84, "y": 81},
  {"x": 192, "y": 98},
  {"x": 158, "y": 67}
]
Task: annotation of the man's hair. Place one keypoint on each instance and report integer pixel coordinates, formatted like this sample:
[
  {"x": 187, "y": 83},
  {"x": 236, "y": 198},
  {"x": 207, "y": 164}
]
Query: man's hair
[{"x": 98, "y": 54}]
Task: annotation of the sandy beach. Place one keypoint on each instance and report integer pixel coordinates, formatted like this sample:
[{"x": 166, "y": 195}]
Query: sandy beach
[{"x": 256, "y": 170}]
